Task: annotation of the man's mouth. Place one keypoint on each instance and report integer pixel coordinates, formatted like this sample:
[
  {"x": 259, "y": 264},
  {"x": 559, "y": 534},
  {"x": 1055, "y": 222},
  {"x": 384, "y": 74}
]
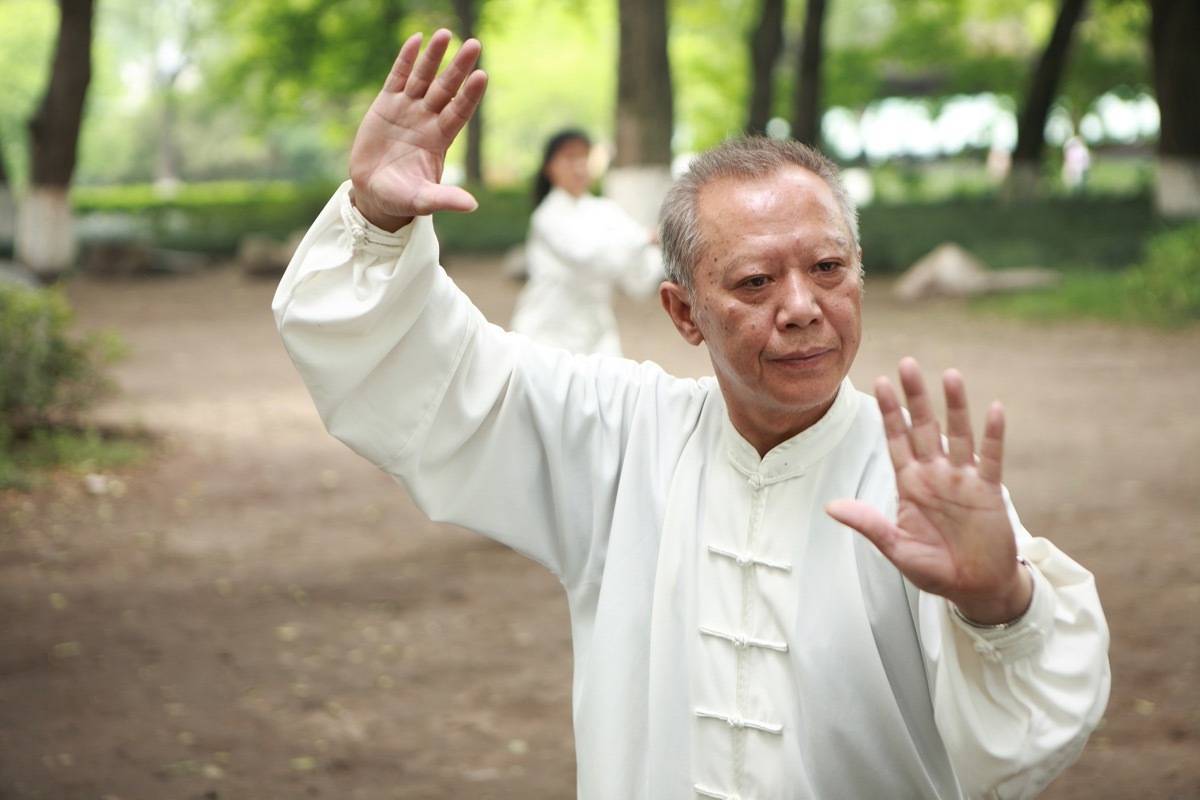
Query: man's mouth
[{"x": 801, "y": 356}]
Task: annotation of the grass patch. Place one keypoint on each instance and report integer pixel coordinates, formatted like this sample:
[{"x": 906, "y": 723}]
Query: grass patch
[
  {"x": 1080, "y": 296},
  {"x": 27, "y": 462},
  {"x": 1162, "y": 291}
]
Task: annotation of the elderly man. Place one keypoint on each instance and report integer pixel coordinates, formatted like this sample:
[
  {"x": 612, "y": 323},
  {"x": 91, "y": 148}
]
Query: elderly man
[{"x": 734, "y": 637}]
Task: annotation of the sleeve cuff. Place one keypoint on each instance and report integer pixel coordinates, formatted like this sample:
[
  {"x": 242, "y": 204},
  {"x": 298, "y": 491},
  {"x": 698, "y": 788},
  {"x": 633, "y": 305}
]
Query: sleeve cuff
[
  {"x": 365, "y": 236},
  {"x": 1018, "y": 639}
]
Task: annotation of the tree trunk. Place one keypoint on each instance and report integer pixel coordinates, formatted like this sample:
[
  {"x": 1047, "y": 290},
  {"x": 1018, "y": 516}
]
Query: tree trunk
[
  {"x": 8, "y": 210},
  {"x": 1043, "y": 87},
  {"x": 806, "y": 108},
  {"x": 467, "y": 17},
  {"x": 1174, "y": 28},
  {"x": 168, "y": 161},
  {"x": 45, "y": 232},
  {"x": 644, "y": 97},
  {"x": 166, "y": 165},
  {"x": 641, "y": 169},
  {"x": 766, "y": 42}
]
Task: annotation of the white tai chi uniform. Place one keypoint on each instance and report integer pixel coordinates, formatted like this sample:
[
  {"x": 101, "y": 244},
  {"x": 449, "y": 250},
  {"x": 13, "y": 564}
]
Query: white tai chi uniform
[
  {"x": 731, "y": 640},
  {"x": 578, "y": 251}
]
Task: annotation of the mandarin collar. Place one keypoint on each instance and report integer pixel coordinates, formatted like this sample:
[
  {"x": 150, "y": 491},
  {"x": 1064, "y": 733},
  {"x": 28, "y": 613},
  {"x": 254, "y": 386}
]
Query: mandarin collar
[{"x": 791, "y": 458}]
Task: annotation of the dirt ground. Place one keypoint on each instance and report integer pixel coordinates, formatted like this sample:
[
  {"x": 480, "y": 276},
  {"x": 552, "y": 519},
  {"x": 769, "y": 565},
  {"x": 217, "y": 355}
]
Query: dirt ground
[{"x": 256, "y": 613}]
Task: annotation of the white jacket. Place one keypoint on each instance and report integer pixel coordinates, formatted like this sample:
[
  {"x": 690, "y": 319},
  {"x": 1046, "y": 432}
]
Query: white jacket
[{"x": 731, "y": 640}]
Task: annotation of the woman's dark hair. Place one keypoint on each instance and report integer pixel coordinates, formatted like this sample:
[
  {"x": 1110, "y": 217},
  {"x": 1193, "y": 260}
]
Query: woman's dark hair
[{"x": 541, "y": 184}]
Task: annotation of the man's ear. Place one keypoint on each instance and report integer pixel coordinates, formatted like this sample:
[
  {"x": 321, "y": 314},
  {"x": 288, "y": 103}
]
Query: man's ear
[{"x": 675, "y": 300}]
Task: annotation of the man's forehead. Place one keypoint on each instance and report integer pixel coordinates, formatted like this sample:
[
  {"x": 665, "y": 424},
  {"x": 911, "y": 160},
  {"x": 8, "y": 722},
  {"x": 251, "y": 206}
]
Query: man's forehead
[
  {"x": 748, "y": 189},
  {"x": 750, "y": 195}
]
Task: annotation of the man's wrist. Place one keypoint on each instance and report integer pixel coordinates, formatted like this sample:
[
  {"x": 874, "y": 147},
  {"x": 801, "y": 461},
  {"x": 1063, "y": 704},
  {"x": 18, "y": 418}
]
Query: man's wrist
[
  {"x": 982, "y": 620},
  {"x": 385, "y": 222}
]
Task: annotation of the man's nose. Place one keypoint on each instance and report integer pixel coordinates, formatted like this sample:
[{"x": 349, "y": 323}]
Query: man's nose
[{"x": 798, "y": 302}]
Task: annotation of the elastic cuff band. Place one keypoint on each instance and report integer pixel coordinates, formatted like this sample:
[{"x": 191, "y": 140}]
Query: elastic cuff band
[{"x": 1002, "y": 625}]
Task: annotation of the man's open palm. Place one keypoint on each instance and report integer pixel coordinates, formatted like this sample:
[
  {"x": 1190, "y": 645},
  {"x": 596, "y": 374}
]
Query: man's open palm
[
  {"x": 399, "y": 153},
  {"x": 952, "y": 536}
]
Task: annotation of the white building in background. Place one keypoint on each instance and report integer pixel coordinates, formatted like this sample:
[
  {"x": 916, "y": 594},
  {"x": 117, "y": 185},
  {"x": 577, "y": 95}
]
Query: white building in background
[{"x": 902, "y": 127}]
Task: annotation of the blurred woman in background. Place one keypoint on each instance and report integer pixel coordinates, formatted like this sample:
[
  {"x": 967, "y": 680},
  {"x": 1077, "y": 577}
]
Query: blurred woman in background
[{"x": 580, "y": 249}]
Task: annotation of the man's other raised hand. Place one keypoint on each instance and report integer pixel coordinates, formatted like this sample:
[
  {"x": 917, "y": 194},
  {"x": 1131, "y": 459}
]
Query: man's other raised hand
[{"x": 399, "y": 153}]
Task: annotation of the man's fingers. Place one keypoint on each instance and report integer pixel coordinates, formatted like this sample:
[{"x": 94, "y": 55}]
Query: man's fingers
[
  {"x": 864, "y": 518},
  {"x": 926, "y": 436},
  {"x": 454, "y": 117},
  {"x": 895, "y": 426},
  {"x": 961, "y": 441},
  {"x": 454, "y": 198},
  {"x": 991, "y": 450},
  {"x": 403, "y": 65},
  {"x": 448, "y": 83},
  {"x": 426, "y": 67}
]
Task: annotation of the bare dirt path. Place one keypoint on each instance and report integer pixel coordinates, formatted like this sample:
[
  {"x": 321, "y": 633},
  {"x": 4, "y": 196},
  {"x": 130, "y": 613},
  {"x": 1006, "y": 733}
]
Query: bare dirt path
[{"x": 256, "y": 613}]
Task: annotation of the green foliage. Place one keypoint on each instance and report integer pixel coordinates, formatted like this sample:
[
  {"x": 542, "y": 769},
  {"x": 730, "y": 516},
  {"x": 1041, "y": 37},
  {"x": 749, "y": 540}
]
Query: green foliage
[
  {"x": 1080, "y": 295},
  {"x": 550, "y": 66},
  {"x": 1092, "y": 233},
  {"x": 1163, "y": 290},
  {"x": 81, "y": 450},
  {"x": 1166, "y": 286},
  {"x": 287, "y": 51},
  {"x": 501, "y": 221},
  {"x": 214, "y": 217},
  {"x": 27, "y": 29},
  {"x": 710, "y": 84},
  {"x": 208, "y": 217},
  {"x": 46, "y": 377},
  {"x": 275, "y": 88},
  {"x": 1109, "y": 53}
]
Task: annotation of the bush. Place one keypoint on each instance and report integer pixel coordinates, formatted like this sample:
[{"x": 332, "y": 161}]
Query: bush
[
  {"x": 214, "y": 217},
  {"x": 201, "y": 217},
  {"x": 1090, "y": 233},
  {"x": 501, "y": 221},
  {"x": 46, "y": 378},
  {"x": 1165, "y": 287},
  {"x": 1161, "y": 290}
]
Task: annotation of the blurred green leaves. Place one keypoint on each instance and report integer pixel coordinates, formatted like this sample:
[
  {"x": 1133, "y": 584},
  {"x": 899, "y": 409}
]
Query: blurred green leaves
[{"x": 275, "y": 88}]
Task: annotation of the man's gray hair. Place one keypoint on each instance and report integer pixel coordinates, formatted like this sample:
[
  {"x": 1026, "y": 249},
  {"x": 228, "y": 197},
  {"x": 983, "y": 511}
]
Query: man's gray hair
[{"x": 743, "y": 157}]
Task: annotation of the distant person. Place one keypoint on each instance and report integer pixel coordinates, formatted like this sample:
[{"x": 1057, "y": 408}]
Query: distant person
[
  {"x": 580, "y": 250},
  {"x": 999, "y": 162},
  {"x": 1077, "y": 159},
  {"x": 779, "y": 586}
]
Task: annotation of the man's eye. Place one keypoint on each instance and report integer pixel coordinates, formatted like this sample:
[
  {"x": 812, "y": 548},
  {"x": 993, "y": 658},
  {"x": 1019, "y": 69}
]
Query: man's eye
[
  {"x": 827, "y": 266},
  {"x": 755, "y": 282}
]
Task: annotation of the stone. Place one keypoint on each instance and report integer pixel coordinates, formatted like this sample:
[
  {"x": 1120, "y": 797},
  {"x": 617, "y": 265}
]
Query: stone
[
  {"x": 951, "y": 271},
  {"x": 946, "y": 270}
]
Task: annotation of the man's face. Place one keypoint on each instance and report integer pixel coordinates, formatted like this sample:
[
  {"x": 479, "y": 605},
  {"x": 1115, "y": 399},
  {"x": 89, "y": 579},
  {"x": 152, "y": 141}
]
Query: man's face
[{"x": 777, "y": 299}]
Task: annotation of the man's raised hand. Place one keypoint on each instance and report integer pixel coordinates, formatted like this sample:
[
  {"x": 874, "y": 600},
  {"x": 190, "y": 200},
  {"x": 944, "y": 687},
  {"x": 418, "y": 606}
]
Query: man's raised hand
[
  {"x": 399, "y": 152},
  {"x": 952, "y": 536}
]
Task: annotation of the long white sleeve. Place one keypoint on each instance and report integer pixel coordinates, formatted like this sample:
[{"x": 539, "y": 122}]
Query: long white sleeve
[
  {"x": 408, "y": 373},
  {"x": 1015, "y": 706}
]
